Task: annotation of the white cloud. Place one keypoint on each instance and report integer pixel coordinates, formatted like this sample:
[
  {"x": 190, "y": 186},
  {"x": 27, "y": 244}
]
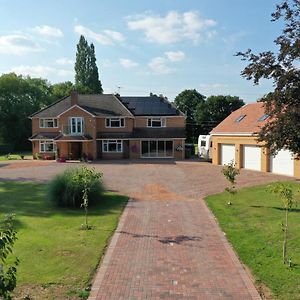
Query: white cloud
[
  {"x": 100, "y": 38},
  {"x": 114, "y": 35},
  {"x": 107, "y": 37},
  {"x": 213, "y": 87},
  {"x": 127, "y": 63},
  {"x": 159, "y": 65},
  {"x": 106, "y": 63},
  {"x": 172, "y": 28},
  {"x": 18, "y": 44},
  {"x": 48, "y": 31},
  {"x": 175, "y": 55},
  {"x": 234, "y": 37},
  {"x": 39, "y": 71},
  {"x": 64, "y": 61}
]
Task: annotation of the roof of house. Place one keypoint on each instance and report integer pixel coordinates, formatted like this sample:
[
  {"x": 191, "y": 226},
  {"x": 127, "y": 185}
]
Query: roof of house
[
  {"x": 97, "y": 105},
  {"x": 174, "y": 132},
  {"x": 245, "y": 120},
  {"x": 152, "y": 105},
  {"x": 44, "y": 136},
  {"x": 58, "y": 136},
  {"x": 113, "y": 105}
]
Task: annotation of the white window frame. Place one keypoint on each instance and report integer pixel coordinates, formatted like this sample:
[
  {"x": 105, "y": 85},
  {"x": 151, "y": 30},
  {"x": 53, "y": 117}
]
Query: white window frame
[
  {"x": 161, "y": 120},
  {"x": 43, "y": 146},
  {"x": 76, "y": 132},
  {"x": 108, "y": 122},
  {"x": 42, "y": 122},
  {"x": 106, "y": 143}
]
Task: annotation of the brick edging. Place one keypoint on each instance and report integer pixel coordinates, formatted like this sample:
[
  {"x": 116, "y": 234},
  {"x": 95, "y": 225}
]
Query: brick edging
[
  {"x": 233, "y": 255},
  {"x": 103, "y": 265}
]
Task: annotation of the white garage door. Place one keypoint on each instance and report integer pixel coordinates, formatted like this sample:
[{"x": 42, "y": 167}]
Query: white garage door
[
  {"x": 282, "y": 163},
  {"x": 252, "y": 157},
  {"x": 227, "y": 154}
]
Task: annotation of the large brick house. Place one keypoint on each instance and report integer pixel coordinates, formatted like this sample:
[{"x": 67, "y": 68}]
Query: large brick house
[{"x": 108, "y": 126}]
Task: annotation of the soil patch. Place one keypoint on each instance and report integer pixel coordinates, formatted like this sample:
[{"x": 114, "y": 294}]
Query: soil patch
[
  {"x": 30, "y": 164},
  {"x": 157, "y": 192}
]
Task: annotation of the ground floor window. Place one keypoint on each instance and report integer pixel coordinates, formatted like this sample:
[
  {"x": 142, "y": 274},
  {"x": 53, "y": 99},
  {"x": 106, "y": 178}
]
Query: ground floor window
[
  {"x": 153, "y": 148},
  {"x": 47, "y": 146},
  {"x": 112, "y": 146}
]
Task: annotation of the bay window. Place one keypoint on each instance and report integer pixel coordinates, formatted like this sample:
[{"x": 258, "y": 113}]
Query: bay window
[{"x": 47, "y": 146}]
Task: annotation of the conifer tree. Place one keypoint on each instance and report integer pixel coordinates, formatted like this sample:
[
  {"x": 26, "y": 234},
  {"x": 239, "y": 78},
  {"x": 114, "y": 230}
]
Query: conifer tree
[{"x": 86, "y": 70}]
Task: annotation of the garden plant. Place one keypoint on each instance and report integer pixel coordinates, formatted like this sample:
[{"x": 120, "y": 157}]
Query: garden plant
[
  {"x": 230, "y": 172},
  {"x": 286, "y": 194},
  {"x": 8, "y": 271}
]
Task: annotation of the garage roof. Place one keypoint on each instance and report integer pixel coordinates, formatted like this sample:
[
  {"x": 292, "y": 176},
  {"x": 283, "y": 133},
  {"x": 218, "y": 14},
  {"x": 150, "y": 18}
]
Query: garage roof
[{"x": 246, "y": 120}]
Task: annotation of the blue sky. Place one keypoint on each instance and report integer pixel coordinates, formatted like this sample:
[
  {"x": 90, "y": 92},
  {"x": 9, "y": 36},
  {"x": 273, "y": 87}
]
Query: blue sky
[{"x": 159, "y": 46}]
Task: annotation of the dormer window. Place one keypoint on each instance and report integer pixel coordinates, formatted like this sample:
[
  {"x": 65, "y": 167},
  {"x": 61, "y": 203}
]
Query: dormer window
[
  {"x": 115, "y": 122},
  {"x": 240, "y": 118},
  {"x": 263, "y": 118},
  {"x": 48, "y": 123},
  {"x": 156, "y": 122}
]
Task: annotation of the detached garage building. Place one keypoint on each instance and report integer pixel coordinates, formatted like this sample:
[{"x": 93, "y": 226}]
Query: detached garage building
[{"x": 235, "y": 139}]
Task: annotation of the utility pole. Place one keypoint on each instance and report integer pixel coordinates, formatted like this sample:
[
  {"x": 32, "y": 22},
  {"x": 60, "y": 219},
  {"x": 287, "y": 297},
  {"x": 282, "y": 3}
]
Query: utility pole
[{"x": 119, "y": 89}]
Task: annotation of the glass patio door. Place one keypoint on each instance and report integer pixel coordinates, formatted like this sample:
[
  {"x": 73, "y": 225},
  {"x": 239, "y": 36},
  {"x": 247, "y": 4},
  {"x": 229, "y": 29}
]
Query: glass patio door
[{"x": 158, "y": 149}]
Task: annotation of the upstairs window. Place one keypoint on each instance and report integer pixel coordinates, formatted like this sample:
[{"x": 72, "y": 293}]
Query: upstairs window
[
  {"x": 156, "y": 122},
  {"x": 263, "y": 118},
  {"x": 240, "y": 118},
  {"x": 76, "y": 125},
  {"x": 48, "y": 123},
  {"x": 115, "y": 122}
]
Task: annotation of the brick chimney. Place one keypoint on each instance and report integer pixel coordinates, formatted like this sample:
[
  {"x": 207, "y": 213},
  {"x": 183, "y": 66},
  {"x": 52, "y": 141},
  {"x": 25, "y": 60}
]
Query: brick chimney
[{"x": 74, "y": 98}]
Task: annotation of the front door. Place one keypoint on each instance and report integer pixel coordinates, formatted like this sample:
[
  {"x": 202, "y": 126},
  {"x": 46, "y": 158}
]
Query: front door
[{"x": 75, "y": 150}]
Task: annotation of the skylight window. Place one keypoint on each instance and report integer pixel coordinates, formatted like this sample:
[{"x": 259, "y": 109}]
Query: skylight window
[
  {"x": 240, "y": 118},
  {"x": 263, "y": 118}
]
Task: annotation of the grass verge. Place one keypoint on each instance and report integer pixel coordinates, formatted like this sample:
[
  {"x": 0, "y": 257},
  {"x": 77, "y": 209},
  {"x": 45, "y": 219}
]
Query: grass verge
[
  {"x": 57, "y": 259},
  {"x": 253, "y": 226},
  {"x": 16, "y": 156}
]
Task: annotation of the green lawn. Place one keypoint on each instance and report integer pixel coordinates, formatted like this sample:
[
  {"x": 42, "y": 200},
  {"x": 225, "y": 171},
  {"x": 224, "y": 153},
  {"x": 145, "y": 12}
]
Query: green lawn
[
  {"x": 15, "y": 156},
  {"x": 56, "y": 257},
  {"x": 253, "y": 226}
]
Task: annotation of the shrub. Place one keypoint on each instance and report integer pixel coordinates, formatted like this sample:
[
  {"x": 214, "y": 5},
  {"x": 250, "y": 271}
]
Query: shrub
[
  {"x": 230, "y": 172},
  {"x": 8, "y": 269},
  {"x": 67, "y": 189}
]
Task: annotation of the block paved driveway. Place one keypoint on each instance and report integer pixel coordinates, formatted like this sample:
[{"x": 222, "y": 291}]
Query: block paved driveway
[{"x": 167, "y": 245}]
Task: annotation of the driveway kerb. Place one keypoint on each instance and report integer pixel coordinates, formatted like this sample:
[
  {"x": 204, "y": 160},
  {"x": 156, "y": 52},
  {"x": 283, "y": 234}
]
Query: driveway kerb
[
  {"x": 104, "y": 263},
  {"x": 239, "y": 265}
]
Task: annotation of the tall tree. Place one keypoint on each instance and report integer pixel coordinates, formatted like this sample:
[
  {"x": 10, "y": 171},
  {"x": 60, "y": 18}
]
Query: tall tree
[
  {"x": 282, "y": 67},
  {"x": 187, "y": 101},
  {"x": 94, "y": 81},
  {"x": 86, "y": 70},
  {"x": 19, "y": 98},
  {"x": 215, "y": 109}
]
